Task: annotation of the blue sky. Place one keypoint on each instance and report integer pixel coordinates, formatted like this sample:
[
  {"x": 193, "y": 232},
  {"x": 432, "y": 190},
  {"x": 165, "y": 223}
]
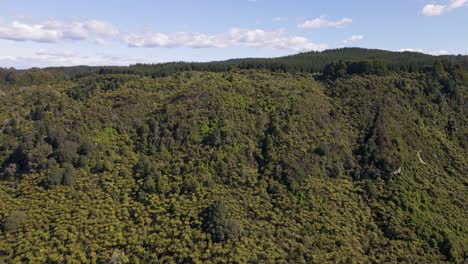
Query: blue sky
[{"x": 120, "y": 32}]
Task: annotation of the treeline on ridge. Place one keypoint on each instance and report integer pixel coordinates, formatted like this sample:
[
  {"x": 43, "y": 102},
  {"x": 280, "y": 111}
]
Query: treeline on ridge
[{"x": 308, "y": 62}]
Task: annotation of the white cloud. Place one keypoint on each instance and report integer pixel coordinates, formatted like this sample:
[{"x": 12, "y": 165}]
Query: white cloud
[
  {"x": 20, "y": 32},
  {"x": 437, "y": 9},
  {"x": 235, "y": 37},
  {"x": 179, "y": 39},
  {"x": 352, "y": 39},
  {"x": 47, "y": 58},
  {"x": 322, "y": 22},
  {"x": 439, "y": 52},
  {"x": 411, "y": 50},
  {"x": 56, "y": 31},
  {"x": 453, "y": 4},
  {"x": 98, "y": 32},
  {"x": 433, "y": 10},
  {"x": 273, "y": 39}
]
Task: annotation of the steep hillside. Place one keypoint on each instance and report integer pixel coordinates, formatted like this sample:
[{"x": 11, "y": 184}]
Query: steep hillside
[{"x": 355, "y": 165}]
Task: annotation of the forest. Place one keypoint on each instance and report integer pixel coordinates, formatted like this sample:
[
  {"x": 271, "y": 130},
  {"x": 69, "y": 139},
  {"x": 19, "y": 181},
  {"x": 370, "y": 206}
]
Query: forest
[{"x": 341, "y": 156}]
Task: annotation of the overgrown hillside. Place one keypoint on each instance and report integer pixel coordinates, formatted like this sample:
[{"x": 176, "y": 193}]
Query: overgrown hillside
[
  {"x": 362, "y": 163},
  {"x": 307, "y": 62}
]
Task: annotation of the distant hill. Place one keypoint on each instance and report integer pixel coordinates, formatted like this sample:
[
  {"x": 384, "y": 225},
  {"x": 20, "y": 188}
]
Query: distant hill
[{"x": 311, "y": 62}]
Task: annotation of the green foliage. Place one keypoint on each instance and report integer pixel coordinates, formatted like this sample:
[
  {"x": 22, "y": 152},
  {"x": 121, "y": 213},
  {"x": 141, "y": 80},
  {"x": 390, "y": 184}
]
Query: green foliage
[
  {"x": 190, "y": 185},
  {"x": 264, "y": 162},
  {"x": 322, "y": 149},
  {"x": 54, "y": 178},
  {"x": 307, "y": 62},
  {"x": 14, "y": 221},
  {"x": 60, "y": 176},
  {"x": 340, "y": 69},
  {"x": 69, "y": 175},
  {"x": 217, "y": 223},
  {"x": 214, "y": 137}
]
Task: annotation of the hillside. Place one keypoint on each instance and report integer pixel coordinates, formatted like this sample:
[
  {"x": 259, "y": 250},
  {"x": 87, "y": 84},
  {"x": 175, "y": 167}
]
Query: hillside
[
  {"x": 362, "y": 160},
  {"x": 308, "y": 62}
]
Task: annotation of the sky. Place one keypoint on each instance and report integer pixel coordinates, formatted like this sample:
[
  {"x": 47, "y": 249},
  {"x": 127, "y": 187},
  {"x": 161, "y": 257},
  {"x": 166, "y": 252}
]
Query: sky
[{"x": 121, "y": 32}]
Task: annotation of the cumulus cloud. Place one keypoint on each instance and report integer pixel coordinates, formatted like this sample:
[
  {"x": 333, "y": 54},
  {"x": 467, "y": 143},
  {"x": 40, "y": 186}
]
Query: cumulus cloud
[
  {"x": 95, "y": 31},
  {"x": 48, "y": 58},
  {"x": 273, "y": 39},
  {"x": 322, "y": 22},
  {"x": 439, "y": 52},
  {"x": 21, "y": 32},
  {"x": 433, "y": 10},
  {"x": 178, "y": 39},
  {"x": 438, "y": 9},
  {"x": 55, "y": 31},
  {"x": 352, "y": 39},
  {"x": 235, "y": 37}
]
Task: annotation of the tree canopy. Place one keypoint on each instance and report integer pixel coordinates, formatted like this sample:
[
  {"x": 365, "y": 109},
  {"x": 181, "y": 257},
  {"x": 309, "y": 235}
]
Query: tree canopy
[{"x": 343, "y": 156}]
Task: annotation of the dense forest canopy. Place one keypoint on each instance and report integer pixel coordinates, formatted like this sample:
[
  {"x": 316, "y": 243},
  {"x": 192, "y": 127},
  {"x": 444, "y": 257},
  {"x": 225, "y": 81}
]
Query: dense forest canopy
[
  {"x": 342, "y": 156},
  {"x": 308, "y": 62}
]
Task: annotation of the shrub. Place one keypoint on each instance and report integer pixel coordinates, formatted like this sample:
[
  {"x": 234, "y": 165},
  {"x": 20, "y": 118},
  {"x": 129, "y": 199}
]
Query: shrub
[
  {"x": 54, "y": 178},
  {"x": 218, "y": 225},
  {"x": 69, "y": 175},
  {"x": 14, "y": 221},
  {"x": 190, "y": 184},
  {"x": 322, "y": 149}
]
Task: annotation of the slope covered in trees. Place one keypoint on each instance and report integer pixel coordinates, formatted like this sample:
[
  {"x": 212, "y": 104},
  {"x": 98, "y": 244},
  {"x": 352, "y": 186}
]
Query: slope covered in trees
[
  {"x": 357, "y": 162},
  {"x": 308, "y": 62}
]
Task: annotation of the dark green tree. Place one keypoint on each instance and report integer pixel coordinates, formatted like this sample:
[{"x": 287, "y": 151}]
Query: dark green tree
[{"x": 14, "y": 221}]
